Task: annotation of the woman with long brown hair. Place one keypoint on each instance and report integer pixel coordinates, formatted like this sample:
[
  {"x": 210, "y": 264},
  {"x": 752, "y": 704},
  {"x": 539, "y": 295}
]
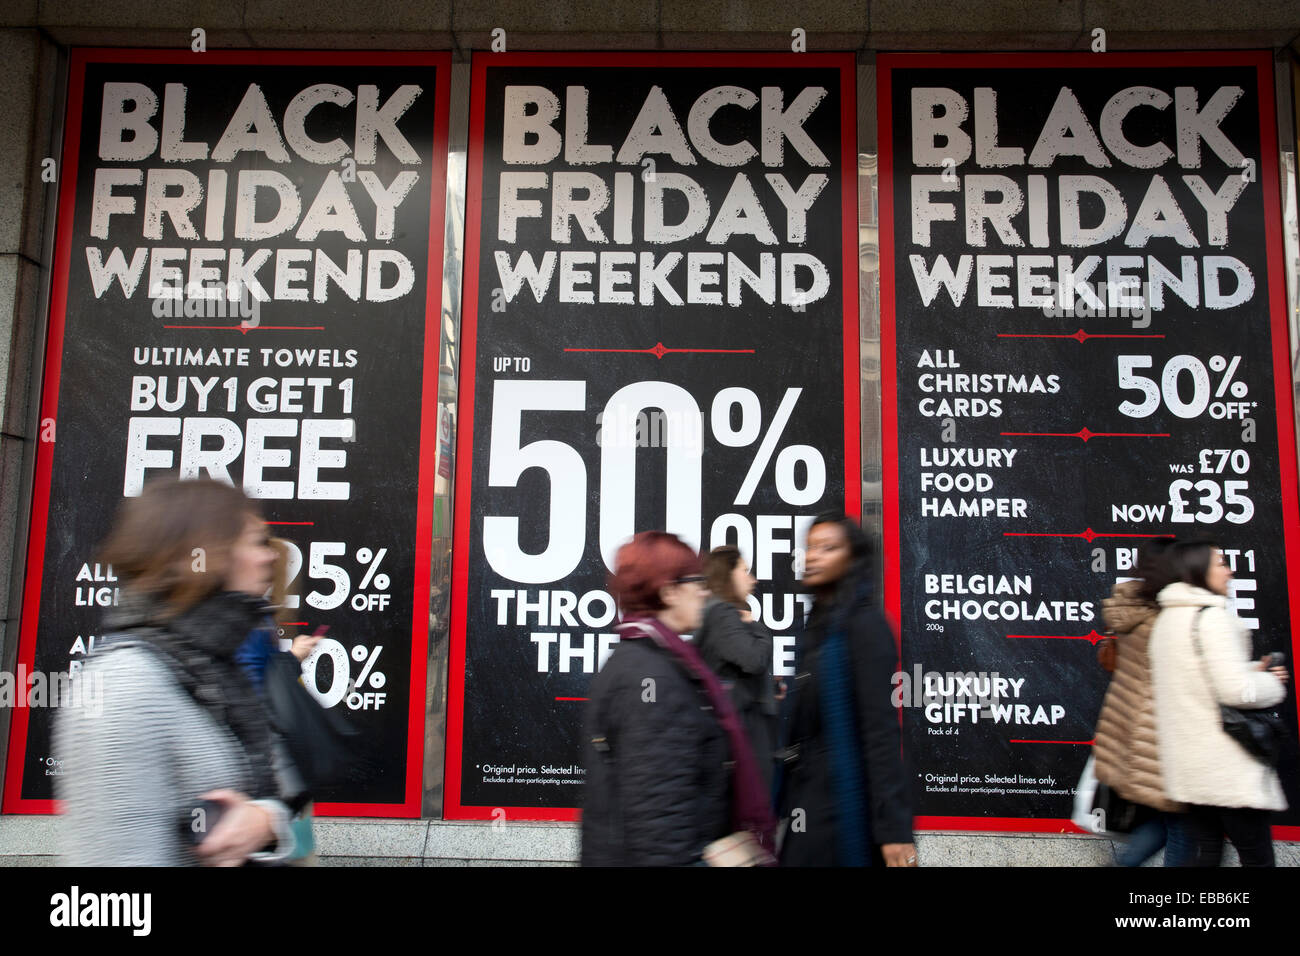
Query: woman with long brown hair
[
  {"x": 180, "y": 766},
  {"x": 1126, "y": 752},
  {"x": 739, "y": 650},
  {"x": 1201, "y": 663}
]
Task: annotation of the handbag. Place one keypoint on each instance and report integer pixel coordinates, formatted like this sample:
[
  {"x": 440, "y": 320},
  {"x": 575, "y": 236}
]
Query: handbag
[
  {"x": 1113, "y": 813},
  {"x": 738, "y": 849},
  {"x": 1259, "y": 732},
  {"x": 322, "y": 745},
  {"x": 1098, "y": 808},
  {"x": 1085, "y": 792}
]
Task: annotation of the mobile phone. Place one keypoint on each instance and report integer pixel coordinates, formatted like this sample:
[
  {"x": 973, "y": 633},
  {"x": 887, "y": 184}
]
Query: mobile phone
[{"x": 1275, "y": 659}]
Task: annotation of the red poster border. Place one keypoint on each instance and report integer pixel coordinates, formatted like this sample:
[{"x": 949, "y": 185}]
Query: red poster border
[
  {"x": 453, "y": 808},
  {"x": 410, "y": 806},
  {"x": 1262, "y": 61}
]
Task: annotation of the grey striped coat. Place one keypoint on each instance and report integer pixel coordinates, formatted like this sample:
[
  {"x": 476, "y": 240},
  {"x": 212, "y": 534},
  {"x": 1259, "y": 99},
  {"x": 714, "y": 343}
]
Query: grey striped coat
[{"x": 136, "y": 756}]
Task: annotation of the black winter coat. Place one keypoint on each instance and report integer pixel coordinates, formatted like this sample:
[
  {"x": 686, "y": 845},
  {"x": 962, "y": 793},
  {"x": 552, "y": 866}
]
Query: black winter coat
[
  {"x": 658, "y": 774},
  {"x": 740, "y": 653},
  {"x": 808, "y": 787}
]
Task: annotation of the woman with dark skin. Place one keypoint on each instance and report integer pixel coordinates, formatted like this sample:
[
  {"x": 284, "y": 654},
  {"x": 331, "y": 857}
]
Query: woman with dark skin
[{"x": 846, "y": 794}]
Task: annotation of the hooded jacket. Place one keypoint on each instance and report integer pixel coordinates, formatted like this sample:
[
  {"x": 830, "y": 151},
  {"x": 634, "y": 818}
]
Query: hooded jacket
[
  {"x": 1126, "y": 749},
  {"x": 1200, "y": 762}
]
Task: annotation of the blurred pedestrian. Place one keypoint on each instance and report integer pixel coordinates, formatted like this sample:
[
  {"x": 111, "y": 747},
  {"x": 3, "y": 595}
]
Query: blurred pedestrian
[
  {"x": 1201, "y": 661},
  {"x": 264, "y": 642},
  {"x": 259, "y": 654},
  {"x": 738, "y": 650},
  {"x": 670, "y": 776},
  {"x": 179, "y": 766},
  {"x": 846, "y": 795},
  {"x": 1126, "y": 752}
]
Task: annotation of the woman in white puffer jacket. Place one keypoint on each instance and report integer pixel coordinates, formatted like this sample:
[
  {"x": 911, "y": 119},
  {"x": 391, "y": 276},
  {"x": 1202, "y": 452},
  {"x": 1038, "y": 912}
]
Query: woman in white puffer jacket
[{"x": 1201, "y": 658}]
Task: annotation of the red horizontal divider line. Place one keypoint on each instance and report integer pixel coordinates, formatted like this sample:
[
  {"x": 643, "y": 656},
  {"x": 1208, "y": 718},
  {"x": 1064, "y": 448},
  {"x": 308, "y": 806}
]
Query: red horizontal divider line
[
  {"x": 1062, "y": 534},
  {"x": 1080, "y": 336},
  {"x": 1059, "y": 637},
  {"x": 1078, "y": 743},
  {"x": 666, "y": 351},
  {"x": 251, "y": 328},
  {"x": 1090, "y": 434},
  {"x": 571, "y": 698}
]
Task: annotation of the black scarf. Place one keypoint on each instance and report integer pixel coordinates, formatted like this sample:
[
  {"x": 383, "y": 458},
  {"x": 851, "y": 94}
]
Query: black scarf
[{"x": 199, "y": 647}]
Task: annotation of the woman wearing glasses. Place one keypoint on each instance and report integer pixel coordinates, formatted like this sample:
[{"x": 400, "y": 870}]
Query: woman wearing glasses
[{"x": 669, "y": 771}]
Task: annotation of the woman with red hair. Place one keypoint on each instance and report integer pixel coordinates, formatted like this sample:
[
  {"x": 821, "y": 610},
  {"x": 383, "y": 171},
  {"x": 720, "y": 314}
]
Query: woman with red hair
[{"x": 669, "y": 770}]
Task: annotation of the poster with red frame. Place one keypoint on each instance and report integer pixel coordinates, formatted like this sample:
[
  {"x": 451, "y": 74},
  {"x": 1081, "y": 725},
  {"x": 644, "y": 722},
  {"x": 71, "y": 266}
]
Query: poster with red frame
[
  {"x": 247, "y": 286},
  {"x": 660, "y": 332},
  {"x": 1084, "y": 347}
]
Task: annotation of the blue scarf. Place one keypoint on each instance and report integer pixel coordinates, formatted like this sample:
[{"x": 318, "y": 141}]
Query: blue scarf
[
  {"x": 254, "y": 653},
  {"x": 847, "y": 769}
]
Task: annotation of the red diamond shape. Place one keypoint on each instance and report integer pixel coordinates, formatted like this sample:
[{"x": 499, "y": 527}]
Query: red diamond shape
[
  {"x": 658, "y": 351},
  {"x": 1084, "y": 433},
  {"x": 1095, "y": 637},
  {"x": 1088, "y": 535},
  {"x": 1080, "y": 335}
]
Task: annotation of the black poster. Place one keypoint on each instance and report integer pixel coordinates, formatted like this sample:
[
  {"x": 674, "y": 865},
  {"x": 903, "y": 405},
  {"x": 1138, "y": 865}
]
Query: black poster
[
  {"x": 660, "y": 331},
  {"x": 1086, "y": 344},
  {"x": 247, "y": 287}
]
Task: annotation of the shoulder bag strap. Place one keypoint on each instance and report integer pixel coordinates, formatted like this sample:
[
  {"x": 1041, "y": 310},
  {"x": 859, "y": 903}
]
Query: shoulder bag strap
[{"x": 1196, "y": 644}]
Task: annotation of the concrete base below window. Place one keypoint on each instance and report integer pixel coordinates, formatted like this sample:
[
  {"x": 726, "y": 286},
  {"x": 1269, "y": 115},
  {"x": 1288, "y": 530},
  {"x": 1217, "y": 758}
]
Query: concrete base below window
[{"x": 30, "y": 840}]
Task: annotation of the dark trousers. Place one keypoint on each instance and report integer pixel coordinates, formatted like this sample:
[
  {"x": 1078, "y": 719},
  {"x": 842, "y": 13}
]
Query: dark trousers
[
  {"x": 1157, "y": 830},
  {"x": 1144, "y": 842},
  {"x": 1246, "y": 827}
]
